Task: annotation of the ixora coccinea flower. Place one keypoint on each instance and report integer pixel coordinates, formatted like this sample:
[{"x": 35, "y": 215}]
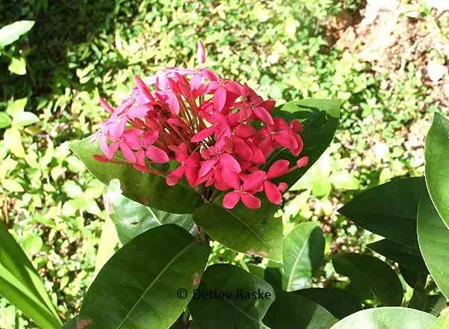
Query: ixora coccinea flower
[{"x": 215, "y": 133}]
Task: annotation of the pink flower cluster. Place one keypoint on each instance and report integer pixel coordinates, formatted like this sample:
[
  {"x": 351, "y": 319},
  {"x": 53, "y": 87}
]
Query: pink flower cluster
[{"x": 218, "y": 133}]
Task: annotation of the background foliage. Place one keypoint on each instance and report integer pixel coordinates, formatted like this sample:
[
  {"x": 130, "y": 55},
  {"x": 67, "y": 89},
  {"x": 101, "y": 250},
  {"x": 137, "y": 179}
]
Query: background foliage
[{"x": 52, "y": 77}]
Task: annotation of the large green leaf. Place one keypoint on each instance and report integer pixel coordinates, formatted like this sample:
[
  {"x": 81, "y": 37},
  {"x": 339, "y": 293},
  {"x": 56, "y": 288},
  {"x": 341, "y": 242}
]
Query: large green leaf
[
  {"x": 230, "y": 297},
  {"x": 17, "y": 268},
  {"x": 387, "y": 318},
  {"x": 132, "y": 218},
  {"x": 320, "y": 121},
  {"x": 407, "y": 256},
  {"x": 30, "y": 304},
  {"x": 137, "y": 287},
  {"x": 12, "y": 32},
  {"x": 437, "y": 165},
  {"x": 443, "y": 320},
  {"x": 303, "y": 251},
  {"x": 254, "y": 232},
  {"x": 337, "y": 301},
  {"x": 148, "y": 189},
  {"x": 294, "y": 311},
  {"x": 389, "y": 209},
  {"x": 371, "y": 279},
  {"x": 433, "y": 238}
]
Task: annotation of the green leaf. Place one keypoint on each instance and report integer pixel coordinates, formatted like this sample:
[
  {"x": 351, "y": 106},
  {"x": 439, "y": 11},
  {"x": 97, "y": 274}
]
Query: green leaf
[
  {"x": 389, "y": 209},
  {"x": 17, "y": 106},
  {"x": 32, "y": 244},
  {"x": 443, "y": 320},
  {"x": 21, "y": 284},
  {"x": 256, "y": 270},
  {"x": 22, "y": 119},
  {"x": 437, "y": 165},
  {"x": 409, "y": 257},
  {"x": 24, "y": 299},
  {"x": 137, "y": 287},
  {"x": 132, "y": 218},
  {"x": 253, "y": 232},
  {"x": 148, "y": 189},
  {"x": 12, "y": 32},
  {"x": 371, "y": 279},
  {"x": 387, "y": 318},
  {"x": 11, "y": 185},
  {"x": 344, "y": 181},
  {"x": 294, "y": 311},
  {"x": 230, "y": 297},
  {"x": 320, "y": 121},
  {"x": 337, "y": 301},
  {"x": 433, "y": 238},
  {"x": 13, "y": 141},
  {"x": 18, "y": 66},
  {"x": 303, "y": 252},
  {"x": 5, "y": 120}
]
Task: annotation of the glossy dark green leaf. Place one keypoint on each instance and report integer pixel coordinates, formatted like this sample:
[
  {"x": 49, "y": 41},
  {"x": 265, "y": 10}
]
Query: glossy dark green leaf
[
  {"x": 294, "y": 311},
  {"x": 230, "y": 297},
  {"x": 387, "y": 318},
  {"x": 273, "y": 275},
  {"x": 407, "y": 256},
  {"x": 21, "y": 284},
  {"x": 249, "y": 231},
  {"x": 412, "y": 278},
  {"x": 320, "y": 121},
  {"x": 303, "y": 252},
  {"x": 139, "y": 286},
  {"x": 337, "y": 301},
  {"x": 389, "y": 209},
  {"x": 433, "y": 238},
  {"x": 132, "y": 218},
  {"x": 148, "y": 189},
  {"x": 256, "y": 270},
  {"x": 371, "y": 279},
  {"x": 437, "y": 165}
]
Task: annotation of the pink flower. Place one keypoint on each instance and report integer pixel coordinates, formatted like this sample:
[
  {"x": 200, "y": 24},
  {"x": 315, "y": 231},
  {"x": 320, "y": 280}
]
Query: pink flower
[
  {"x": 201, "y": 53},
  {"x": 214, "y": 133}
]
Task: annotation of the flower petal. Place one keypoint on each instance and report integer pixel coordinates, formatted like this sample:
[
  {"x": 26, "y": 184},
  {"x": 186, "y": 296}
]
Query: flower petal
[
  {"x": 174, "y": 176},
  {"x": 150, "y": 137},
  {"x": 203, "y": 134},
  {"x": 230, "y": 178},
  {"x": 272, "y": 192},
  {"x": 302, "y": 162},
  {"x": 201, "y": 53},
  {"x": 251, "y": 201},
  {"x": 245, "y": 131},
  {"x": 278, "y": 168},
  {"x": 220, "y": 98},
  {"x": 263, "y": 115},
  {"x": 156, "y": 154},
  {"x": 231, "y": 199},
  {"x": 230, "y": 163},
  {"x": 127, "y": 153},
  {"x": 253, "y": 182},
  {"x": 286, "y": 140},
  {"x": 206, "y": 167}
]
